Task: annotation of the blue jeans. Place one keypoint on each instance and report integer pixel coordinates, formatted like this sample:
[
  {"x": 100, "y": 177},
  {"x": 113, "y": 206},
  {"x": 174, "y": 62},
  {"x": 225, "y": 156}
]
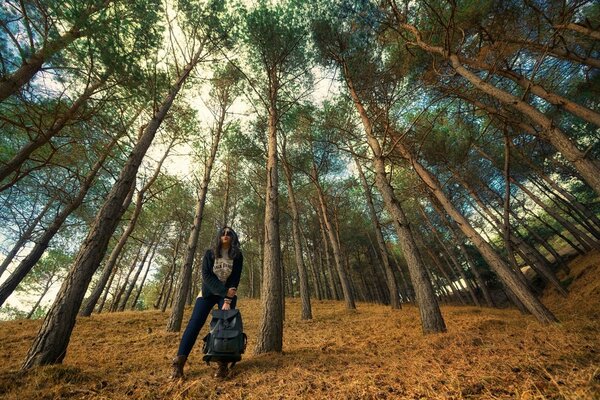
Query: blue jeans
[{"x": 201, "y": 310}]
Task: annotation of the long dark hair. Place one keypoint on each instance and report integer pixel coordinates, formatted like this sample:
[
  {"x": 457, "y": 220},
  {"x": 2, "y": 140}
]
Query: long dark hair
[{"x": 234, "y": 247}]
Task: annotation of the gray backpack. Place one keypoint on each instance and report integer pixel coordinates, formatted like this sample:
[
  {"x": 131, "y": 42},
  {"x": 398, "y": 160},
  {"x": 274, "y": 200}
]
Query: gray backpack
[{"x": 226, "y": 340}]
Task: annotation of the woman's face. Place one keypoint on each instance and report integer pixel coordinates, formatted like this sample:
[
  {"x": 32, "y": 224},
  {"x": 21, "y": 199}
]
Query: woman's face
[{"x": 226, "y": 236}]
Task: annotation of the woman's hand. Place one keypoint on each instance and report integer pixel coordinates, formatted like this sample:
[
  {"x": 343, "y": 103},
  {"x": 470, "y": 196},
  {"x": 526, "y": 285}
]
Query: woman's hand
[
  {"x": 226, "y": 306},
  {"x": 231, "y": 292}
]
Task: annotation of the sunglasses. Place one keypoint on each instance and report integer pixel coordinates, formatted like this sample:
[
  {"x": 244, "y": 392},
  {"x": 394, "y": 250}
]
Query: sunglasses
[{"x": 227, "y": 233}]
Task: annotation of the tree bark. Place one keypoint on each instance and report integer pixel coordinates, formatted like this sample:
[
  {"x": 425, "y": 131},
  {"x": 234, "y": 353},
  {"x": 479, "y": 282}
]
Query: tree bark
[
  {"x": 50, "y": 345},
  {"x": 389, "y": 274},
  {"x": 270, "y": 330},
  {"x": 431, "y": 317},
  {"x": 337, "y": 256},
  {"x": 90, "y": 303},
  {"x": 306, "y": 312}
]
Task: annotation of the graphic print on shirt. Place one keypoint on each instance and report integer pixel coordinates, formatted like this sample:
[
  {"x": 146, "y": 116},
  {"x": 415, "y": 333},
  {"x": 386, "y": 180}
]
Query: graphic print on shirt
[{"x": 223, "y": 268}]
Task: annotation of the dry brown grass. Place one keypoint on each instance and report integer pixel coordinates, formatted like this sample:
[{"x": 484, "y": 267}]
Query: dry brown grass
[{"x": 370, "y": 353}]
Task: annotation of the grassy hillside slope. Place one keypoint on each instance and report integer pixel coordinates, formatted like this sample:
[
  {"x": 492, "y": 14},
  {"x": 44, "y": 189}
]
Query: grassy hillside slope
[{"x": 371, "y": 353}]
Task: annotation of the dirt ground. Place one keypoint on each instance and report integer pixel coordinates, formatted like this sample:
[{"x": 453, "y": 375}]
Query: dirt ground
[{"x": 370, "y": 353}]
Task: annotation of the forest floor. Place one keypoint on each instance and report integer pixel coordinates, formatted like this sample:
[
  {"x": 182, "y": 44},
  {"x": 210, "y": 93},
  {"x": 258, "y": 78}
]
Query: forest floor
[{"x": 370, "y": 353}]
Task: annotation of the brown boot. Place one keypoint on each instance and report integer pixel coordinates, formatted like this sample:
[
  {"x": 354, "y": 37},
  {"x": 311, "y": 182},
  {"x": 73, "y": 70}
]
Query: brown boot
[
  {"x": 178, "y": 363},
  {"x": 222, "y": 370}
]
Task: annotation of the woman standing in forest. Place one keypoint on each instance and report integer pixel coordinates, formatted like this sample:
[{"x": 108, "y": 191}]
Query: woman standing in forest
[{"x": 221, "y": 271}]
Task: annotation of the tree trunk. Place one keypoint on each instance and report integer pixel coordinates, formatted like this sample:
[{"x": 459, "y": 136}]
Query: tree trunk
[
  {"x": 47, "y": 286},
  {"x": 588, "y": 168},
  {"x": 389, "y": 274},
  {"x": 24, "y": 238},
  {"x": 129, "y": 286},
  {"x": 139, "y": 291},
  {"x": 296, "y": 235},
  {"x": 337, "y": 256},
  {"x": 528, "y": 252},
  {"x": 183, "y": 286},
  {"x": 18, "y": 159},
  {"x": 498, "y": 265},
  {"x": 50, "y": 345},
  {"x": 106, "y": 291},
  {"x": 431, "y": 317},
  {"x": 456, "y": 238},
  {"x": 42, "y": 243},
  {"x": 90, "y": 303},
  {"x": 120, "y": 289},
  {"x": 270, "y": 330}
]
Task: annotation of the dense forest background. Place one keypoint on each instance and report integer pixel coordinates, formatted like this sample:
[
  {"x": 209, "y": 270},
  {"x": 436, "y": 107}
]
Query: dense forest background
[{"x": 389, "y": 152}]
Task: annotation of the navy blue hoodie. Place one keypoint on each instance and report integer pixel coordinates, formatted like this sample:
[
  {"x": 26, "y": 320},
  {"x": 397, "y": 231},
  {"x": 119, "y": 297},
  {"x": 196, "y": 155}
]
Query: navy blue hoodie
[{"x": 211, "y": 285}]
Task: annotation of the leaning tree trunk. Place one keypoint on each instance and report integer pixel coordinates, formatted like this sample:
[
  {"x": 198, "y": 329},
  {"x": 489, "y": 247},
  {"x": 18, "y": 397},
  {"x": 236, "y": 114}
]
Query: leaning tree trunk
[
  {"x": 389, "y": 274},
  {"x": 50, "y": 345},
  {"x": 23, "y": 154},
  {"x": 508, "y": 276},
  {"x": 42, "y": 243},
  {"x": 297, "y": 237},
  {"x": 185, "y": 277},
  {"x": 24, "y": 238},
  {"x": 129, "y": 286},
  {"x": 337, "y": 254},
  {"x": 120, "y": 288},
  {"x": 586, "y": 166},
  {"x": 457, "y": 240},
  {"x": 91, "y": 301},
  {"x": 47, "y": 286},
  {"x": 431, "y": 316},
  {"x": 270, "y": 331}
]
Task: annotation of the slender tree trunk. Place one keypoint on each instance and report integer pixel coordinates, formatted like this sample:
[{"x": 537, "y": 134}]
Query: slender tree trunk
[
  {"x": 588, "y": 168},
  {"x": 42, "y": 243},
  {"x": 106, "y": 291},
  {"x": 431, "y": 317},
  {"x": 120, "y": 289},
  {"x": 456, "y": 238},
  {"x": 409, "y": 293},
  {"x": 50, "y": 345},
  {"x": 183, "y": 286},
  {"x": 337, "y": 256},
  {"x": 569, "y": 209},
  {"x": 23, "y": 154},
  {"x": 528, "y": 252},
  {"x": 227, "y": 190},
  {"x": 141, "y": 286},
  {"x": 306, "y": 312},
  {"x": 312, "y": 269},
  {"x": 91, "y": 301},
  {"x": 498, "y": 265},
  {"x": 129, "y": 286},
  {"x": 47, "y": 286},
  {"x": 327, "y": 268},
  {"x": 24, "y": 238},
  {"x": 389, "y": 274},
  {"x": 579, "y": 235}
]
